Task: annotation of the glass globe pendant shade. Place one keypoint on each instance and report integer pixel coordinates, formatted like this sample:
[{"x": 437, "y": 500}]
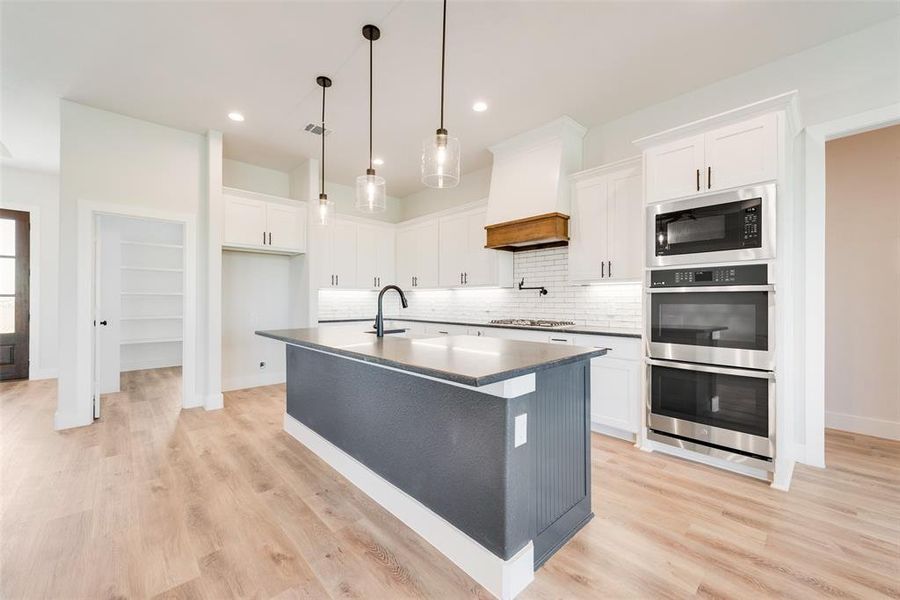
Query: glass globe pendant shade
[
  {"x": 440, "y": 160},
  {"x": 325, "y": 213},
  {"x": 370, "y": 193}
]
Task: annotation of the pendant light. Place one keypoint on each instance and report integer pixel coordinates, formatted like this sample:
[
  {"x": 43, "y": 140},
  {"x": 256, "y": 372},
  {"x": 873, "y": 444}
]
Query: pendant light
[
  {"x": 440, "y": 152},
  {"x": 326, "y": 206},
  {"x": 370, "y": 188}
]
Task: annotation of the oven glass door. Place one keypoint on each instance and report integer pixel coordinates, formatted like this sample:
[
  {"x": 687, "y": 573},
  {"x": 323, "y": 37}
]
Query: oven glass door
[
  {"x": 729, "y": 226},
  {"x": 726, "y": 401},
  {"x": 714, "y": 319}
]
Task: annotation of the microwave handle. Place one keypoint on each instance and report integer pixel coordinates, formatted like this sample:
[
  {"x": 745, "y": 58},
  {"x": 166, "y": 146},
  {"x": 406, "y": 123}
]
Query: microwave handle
[
  {"x": 711, "y": 369},
  {"x": 714, "y": 288}
]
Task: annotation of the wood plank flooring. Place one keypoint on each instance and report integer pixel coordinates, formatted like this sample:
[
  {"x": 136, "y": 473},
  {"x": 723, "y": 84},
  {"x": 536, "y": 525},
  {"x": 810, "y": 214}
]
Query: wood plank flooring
[{"x": 156, "y": 502}]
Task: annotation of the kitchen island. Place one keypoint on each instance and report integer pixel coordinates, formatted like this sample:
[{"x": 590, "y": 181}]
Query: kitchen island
[{"x": 480, "y": 445}]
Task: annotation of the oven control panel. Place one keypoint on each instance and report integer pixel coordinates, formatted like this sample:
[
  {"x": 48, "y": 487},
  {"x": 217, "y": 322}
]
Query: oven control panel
[{"x": 728, "y": 275}]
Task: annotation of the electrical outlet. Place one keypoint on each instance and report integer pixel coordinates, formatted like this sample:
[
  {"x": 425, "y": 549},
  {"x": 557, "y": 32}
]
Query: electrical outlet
[
  {"x": 521, "y": 429},
  {"x": 262, "y": 365}
]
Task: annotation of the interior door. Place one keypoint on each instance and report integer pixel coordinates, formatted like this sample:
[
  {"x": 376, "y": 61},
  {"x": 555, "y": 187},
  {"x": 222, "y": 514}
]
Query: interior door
[
  {"x": 245, "y": 222},
  {"x": 285, "y": 226},
  {"x": 96, "y": 342},
  {"x": 15, "y": 264},
  {"x": 625, "y": 225},
  {"x": 454, "y": 248}
]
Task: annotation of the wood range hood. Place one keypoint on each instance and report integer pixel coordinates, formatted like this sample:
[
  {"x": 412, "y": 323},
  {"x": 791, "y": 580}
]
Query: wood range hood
[
  {"x": 541, "y": 231},
  {"x": 528, "y": 205}
]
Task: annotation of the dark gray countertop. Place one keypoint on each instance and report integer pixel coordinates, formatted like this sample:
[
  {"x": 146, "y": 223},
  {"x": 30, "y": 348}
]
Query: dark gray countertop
[
  {"x": 582, "y": 329},
  {"x": 469, "y": 360}
]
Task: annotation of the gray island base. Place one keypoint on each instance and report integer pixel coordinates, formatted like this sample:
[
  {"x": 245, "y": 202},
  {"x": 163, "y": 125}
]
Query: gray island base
[{"x": 480, "y": 445}]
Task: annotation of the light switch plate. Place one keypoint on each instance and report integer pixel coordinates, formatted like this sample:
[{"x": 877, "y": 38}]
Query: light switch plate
[{"x": 521, "y": 429}]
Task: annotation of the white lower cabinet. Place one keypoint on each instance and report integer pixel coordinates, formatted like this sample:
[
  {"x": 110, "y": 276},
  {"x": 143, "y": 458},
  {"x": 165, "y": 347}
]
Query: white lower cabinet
[{"x": 615, "y": 382}]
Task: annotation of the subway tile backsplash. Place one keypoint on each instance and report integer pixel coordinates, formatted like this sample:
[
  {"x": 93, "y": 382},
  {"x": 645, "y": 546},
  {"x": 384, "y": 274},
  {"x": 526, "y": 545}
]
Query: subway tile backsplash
[{"x": 607, "y": 305}]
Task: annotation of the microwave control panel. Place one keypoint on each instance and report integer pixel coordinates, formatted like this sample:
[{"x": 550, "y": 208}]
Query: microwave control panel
[
  {"x": 752, "y": 216},
  {"x": 729, "y": 275}
]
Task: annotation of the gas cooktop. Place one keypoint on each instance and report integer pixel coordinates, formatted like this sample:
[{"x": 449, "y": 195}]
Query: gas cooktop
[{"x": 533, "y": 323}]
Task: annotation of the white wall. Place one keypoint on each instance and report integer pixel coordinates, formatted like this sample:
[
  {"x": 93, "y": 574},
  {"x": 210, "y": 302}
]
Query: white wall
[
  {"x": 862, "y": 284},
  {"x": 119, "y": 161},
  {"x": 245, "y": 176},
  {"x": 472, "y": 187},
  {"x": 32, "y": 190},
  {"x": 845, "y": 76}
]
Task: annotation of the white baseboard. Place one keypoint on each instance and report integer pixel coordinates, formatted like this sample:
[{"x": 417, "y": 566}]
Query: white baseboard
[
  {"x": 38, "y": 374},
  {"x": 612, "y": 431},
  {"x": 503, "y": 579},
  {"x": 214, "y": 401},
  {"x": 243, "y": 382},
  {"x": 141, "y": 365},
  {"x": 863, "y": 425}
]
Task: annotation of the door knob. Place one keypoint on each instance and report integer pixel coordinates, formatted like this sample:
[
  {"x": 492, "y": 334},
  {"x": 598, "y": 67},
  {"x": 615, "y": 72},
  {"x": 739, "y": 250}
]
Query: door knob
[{"x": 104, "y": 323}]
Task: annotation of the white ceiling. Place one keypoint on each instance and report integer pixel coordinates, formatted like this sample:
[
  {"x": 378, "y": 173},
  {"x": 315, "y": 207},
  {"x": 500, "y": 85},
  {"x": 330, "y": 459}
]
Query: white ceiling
[{"x": 187, "y": 64}]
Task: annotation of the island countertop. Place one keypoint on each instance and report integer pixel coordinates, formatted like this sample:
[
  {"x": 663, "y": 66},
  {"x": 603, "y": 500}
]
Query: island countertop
[{"x": 468, "y": 360}]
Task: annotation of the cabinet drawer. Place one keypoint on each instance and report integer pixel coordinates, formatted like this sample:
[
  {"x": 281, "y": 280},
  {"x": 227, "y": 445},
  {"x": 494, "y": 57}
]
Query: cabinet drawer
[
  {"x": 619, "y": 347},
  {"x": 442, "y": 329}
]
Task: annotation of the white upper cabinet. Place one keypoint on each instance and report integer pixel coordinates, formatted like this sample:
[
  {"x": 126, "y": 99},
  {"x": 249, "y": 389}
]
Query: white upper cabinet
[
  {"x": 740, "y": 154},
  {"x": 336, "y": 255},
  {"x": 417, "y": 256},
  {"x": 375, "y": 256},
  {"x": 606, "y": 225},
  {"x": 252, "y": 223},
  {"x": 674, "y": 169},
  {"x": 464, "y": 261}
]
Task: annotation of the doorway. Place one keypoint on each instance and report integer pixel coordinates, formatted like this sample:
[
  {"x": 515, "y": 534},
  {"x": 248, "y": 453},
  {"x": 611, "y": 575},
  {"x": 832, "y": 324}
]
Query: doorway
[
  {"x": 139, "y": 301},
  {"x": 15, "y": 273},
  {"x": 862, "y": 283}
]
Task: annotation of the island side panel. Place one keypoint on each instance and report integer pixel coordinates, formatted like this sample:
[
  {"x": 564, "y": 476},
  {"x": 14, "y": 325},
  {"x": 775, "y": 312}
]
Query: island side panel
[{"x": 449, "y": 447}]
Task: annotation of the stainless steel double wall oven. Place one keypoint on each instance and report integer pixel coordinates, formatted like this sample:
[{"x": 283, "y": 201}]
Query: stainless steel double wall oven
[{"x": 711, "y": 326}]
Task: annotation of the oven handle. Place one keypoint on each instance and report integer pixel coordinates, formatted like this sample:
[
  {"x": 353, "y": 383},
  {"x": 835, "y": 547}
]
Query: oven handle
[
  {"x": 714, "y": 288},
  {"x": 712, "y": 369}
]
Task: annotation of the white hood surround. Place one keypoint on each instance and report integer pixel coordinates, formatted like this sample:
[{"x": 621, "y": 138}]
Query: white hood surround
[{"x": 528, "y": 203}]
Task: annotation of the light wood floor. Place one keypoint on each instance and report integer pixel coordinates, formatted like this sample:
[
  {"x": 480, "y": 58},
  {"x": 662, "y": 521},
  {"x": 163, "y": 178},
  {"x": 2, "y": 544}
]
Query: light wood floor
[{"x": 153, "y": 501}]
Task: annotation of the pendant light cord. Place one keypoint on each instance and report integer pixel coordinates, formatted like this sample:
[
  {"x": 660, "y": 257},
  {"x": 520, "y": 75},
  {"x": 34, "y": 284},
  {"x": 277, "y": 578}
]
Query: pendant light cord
[
  {"x": 443, "y": 55},
  {"x": 370, "y": 103},
  {"x": 322, "y": 175}
]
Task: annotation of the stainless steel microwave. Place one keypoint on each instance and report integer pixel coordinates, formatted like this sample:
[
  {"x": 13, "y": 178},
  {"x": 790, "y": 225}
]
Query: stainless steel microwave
[
  {"x": 714, "y": 315},
  {"x": 731, "y": 226}
]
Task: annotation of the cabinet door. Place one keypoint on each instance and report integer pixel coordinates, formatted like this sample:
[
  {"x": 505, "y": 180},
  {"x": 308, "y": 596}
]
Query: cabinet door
[
  {"x": 615, "y": 393},
  {"x": 385, "y": 249},
  {"x": 427, "y": 252},
  {"x": 588, "y": 231},
  {"x": 367, "y": 255},
  {"x": 625, "y": 210},
  {"x": 343, "y": 253},
  {"x": 407, "y": 257},
  {"x": 675, "y": 169},
  {"x": 286, "y": 226},
  {"x": 245, "y": 222},
  {"x": 742, "y": 154},
  {"x": 453, "y": 250},
  {"x": 322, "y": 262}
]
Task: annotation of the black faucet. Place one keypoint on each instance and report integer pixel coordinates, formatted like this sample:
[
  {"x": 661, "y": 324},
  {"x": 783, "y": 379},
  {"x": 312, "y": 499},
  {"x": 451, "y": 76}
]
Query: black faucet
[{"x": 379, "y": 318}]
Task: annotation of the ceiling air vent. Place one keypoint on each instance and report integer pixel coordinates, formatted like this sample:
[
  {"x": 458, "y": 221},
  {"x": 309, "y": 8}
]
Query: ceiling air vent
[{"x": 316, "y": 129}]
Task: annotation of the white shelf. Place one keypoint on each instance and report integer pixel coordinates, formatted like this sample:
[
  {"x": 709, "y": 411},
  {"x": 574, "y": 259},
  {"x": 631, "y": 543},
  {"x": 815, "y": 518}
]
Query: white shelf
[
  {"x": 157, "y": 269},
  {"x": 150, "y": 341},
  {"x": 151, "y": 244},
  {"x": 152, "y": 294},
  {"x": 153, "y": 318}
]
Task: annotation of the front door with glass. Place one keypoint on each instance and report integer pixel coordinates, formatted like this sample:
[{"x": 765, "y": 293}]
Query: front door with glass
[{"x": 14, "y": 293}]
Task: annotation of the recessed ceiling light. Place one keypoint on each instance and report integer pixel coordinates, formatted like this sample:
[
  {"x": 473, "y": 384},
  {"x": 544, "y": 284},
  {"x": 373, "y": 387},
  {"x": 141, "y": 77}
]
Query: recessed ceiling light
[
  {"x": 378, "y": 161},
  {"x": 236, "y": 116},
  {"x": 479, "y": 106}
]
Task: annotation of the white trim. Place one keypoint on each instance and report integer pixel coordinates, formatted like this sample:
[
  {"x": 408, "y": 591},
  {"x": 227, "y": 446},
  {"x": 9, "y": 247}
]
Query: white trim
[
  {"x": 34, "y": 288},
  {"x": 654, "y": 446},
  {"x": 814, "y": 270},
  {"x": 213, "y": 401},
  {"x": 250, "y": 381},
  {"x": 212, "y": 261},
  {"x": 784, "y": 473},
  {"x": 881, "y": 428},
  {"x": 611, "y": 431},
  {"x": 635, "y": 162},
  {"x": 251, "y": 195},
  {"x": 38, "y": 374},
  {"x": 82, "y": 412},
  {"x": 503, "y": 579},
  {"x": 507, "y": 388},
  {"x": 786, "y": 102}
]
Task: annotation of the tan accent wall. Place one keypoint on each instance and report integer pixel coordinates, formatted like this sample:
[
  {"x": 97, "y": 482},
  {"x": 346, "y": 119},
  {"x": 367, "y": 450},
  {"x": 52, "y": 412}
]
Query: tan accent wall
[{"x": 862, "y": 287}]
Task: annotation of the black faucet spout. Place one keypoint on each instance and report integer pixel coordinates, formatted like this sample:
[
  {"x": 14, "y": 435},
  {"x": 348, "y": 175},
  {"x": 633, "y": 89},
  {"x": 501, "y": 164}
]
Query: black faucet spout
[{"x": 379, "y": 318}]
